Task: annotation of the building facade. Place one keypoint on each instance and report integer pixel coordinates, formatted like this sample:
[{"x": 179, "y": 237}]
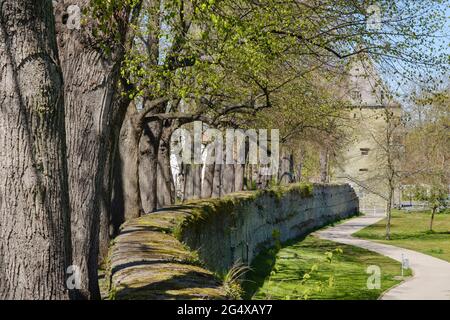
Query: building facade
[{"x": 362, "y": 161}]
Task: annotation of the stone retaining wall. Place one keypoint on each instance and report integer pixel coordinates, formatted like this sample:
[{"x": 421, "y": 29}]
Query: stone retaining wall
[
  {"x": 238, "y": 230},
  {"x": 179, "y": 251}
]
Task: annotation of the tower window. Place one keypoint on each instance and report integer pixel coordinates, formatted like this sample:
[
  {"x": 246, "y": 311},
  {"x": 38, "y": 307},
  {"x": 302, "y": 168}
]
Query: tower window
[
  {"x": 363, "y": 170},
  {"x": 356, "y": 95},
  {"x": 364, "y": 151}
]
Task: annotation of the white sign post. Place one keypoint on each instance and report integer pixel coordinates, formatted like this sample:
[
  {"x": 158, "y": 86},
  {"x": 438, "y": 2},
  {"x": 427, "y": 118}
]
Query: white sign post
[{"x": 405, "y": 263}]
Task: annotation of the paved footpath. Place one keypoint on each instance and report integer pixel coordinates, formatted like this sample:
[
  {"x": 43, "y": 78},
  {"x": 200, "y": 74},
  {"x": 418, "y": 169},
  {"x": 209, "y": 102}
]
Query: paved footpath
[{"x": 431, "y": 280}]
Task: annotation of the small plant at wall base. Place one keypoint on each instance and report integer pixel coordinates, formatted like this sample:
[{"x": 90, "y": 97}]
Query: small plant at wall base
[{"x": 233, "y": 279}]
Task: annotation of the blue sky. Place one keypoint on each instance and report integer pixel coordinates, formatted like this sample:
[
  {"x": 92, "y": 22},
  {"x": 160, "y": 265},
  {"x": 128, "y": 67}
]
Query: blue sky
[{"x": 406, "y": 86}]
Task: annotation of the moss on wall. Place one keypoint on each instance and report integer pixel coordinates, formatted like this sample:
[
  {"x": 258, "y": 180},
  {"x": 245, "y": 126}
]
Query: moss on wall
[{"x": 207, "y": 237}]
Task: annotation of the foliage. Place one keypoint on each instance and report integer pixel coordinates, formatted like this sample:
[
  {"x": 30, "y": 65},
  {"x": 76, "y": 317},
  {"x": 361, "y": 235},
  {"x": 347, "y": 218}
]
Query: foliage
[
  {"x": 214, "y": 54},
  {"x": 233, "y": 279},
  {"x": 436, "y": 196},
  {"x": 427, "y": 142}
]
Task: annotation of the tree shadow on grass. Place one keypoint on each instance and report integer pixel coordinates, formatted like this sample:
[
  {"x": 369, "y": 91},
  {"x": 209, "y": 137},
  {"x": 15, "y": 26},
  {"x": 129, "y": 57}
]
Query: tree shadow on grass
[{"x": 261, "y": 268}]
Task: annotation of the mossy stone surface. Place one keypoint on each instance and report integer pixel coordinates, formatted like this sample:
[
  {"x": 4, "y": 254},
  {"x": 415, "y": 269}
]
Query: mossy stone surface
[
  {"x": 167, "y": 254},
  {"x": 148, "y": 262}
]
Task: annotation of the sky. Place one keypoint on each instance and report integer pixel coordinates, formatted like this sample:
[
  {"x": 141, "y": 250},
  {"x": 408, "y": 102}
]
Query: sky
[{"x": 404, "y": 89}]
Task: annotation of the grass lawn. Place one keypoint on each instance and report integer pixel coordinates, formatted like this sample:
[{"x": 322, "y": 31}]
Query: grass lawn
[
  {"x": 410, "y": 230},
  {"x": 279, "y": 276}
]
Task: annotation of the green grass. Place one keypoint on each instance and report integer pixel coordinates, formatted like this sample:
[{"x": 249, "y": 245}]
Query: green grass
[
  {"x": 411, "y": 231},
  {"x": 279, "y": 275}
]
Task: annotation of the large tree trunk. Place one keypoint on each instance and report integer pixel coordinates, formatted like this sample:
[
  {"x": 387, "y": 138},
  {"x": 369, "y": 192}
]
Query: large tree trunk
[
  {"x": 148, "y": 165},
  {"x": 126, "y": 197},
  {"x": 148, "y": 160},
  {"x": 111, "y": 205},
  {"x": 34, "y": 212},
  {"x": 90, "y": 75},
  {"x": 166, "y": 186}
]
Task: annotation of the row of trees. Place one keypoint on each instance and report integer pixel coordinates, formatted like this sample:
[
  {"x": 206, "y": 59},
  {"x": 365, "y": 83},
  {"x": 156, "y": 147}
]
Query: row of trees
[{"x": 91, "y": 92}]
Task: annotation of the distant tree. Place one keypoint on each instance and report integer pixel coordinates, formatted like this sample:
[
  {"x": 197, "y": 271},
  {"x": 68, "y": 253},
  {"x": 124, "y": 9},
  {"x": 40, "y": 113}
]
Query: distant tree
[
  {"x": 389, "y": 155},
  {"x": 427, "y": 144},
  {"x": 436, "y": 197}
]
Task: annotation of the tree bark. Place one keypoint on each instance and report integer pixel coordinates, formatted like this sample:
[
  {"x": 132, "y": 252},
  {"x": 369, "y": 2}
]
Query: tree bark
[
  {"x": 239, "y": 177},
  {"x": 129, "y": 158},
  {"x": 208, "y": 178},
  {"x": 228, "y": 179},
  {"x": 34, "y": 211},
  {"x": 188, "y": 173},
  {"x": 148, "y": 165},
  {"x": 217, "y": 181},
  {"x": 433, "y": 212},
  {"x": 389, "y": 214},
  {"x": 90, "y": 76},
  {"x": 166, "y": 186},
  {"x": 148, "y": 158},
  {"x": 197, "y": 183},
  {"x": 111, "y": 205},
  {"x": 286, "y": 168}
]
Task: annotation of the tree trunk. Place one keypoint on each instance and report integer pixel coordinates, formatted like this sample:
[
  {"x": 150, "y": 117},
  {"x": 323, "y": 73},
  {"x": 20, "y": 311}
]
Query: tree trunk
[
  {"x": 239, "y": 170},
  {"x": 90, "y": 76},
  {"x": 433, "y": 212},
  {"x": 389, "y": 215},
  {"x": 227, "y": 179},
  {"x": 248, "y": 179},
  {"x": 166, "y": 186},
  {"x": 188, "y": 181},
  {"x": 180, "y": 184},
  {"x": 217, "y": 181},
  {"x": 299, "y": 172},
  {"x": 34, "y": 212},
  {"x": 129, "y": 157},
  {"x": 197, "y": 183},
  {"x": 260, "y": 178},
  {"x": 285, "y": 169},
  {"x": 148, "y": 166},
  {"x": 111, "y": 205},
  {"x": 301, "y": 160},
  {"x": 208, "y": 178}
]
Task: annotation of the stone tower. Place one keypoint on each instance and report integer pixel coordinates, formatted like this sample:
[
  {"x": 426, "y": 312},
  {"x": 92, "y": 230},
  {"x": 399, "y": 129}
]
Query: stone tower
[{"x": 360, "y": 162}]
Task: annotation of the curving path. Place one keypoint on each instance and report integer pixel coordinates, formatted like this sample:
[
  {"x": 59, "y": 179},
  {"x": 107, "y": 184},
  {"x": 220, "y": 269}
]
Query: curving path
[{"x": 431, "y": 280}]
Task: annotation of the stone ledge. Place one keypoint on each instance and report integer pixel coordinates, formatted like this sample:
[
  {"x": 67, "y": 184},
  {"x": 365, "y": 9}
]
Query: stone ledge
[
  {"x": 148, "y": 262},
  {"x": 150, "y": 259}
]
